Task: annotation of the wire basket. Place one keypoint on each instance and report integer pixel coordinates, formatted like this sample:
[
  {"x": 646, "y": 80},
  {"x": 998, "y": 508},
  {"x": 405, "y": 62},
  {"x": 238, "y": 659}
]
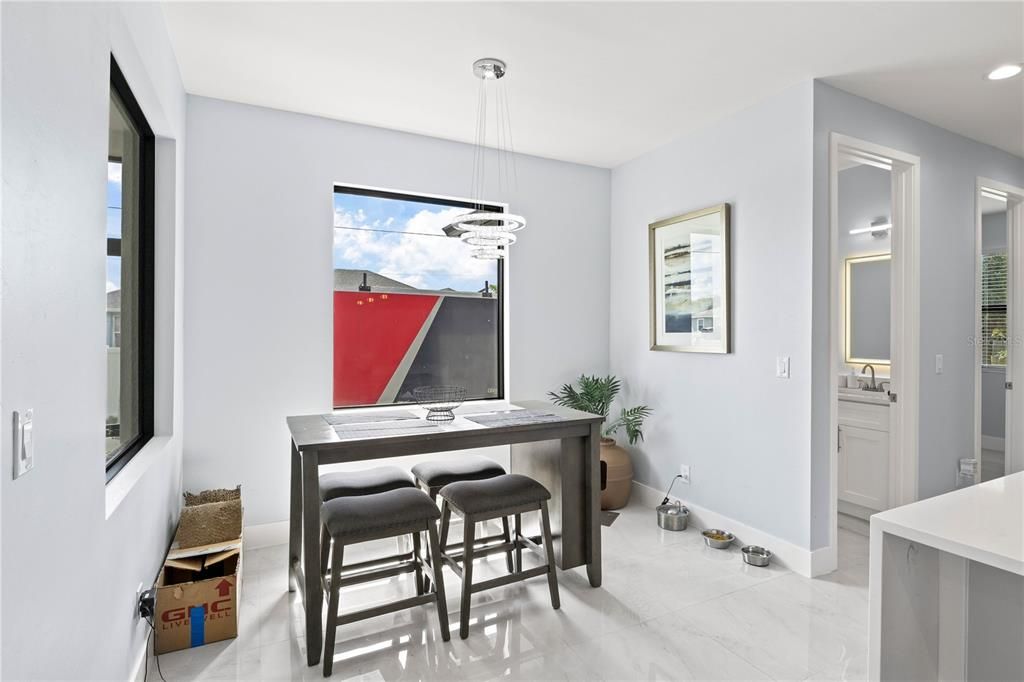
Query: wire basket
[{"x": 439, "y": 401}]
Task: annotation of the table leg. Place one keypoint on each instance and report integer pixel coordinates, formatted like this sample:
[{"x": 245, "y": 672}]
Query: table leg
[
  {"x": 314, "y": 599},
  {"x": 294, "y": 517},
  {"x": 592, "y": 451}
]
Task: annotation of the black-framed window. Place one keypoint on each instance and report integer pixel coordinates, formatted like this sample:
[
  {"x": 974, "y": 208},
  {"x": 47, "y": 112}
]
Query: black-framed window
[
  {"x": 412, "y": 307},
  {"x": 129, "y": 280}
]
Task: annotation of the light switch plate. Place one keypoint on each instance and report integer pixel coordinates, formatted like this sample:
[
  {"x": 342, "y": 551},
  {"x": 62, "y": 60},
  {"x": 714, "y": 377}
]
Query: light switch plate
[
  {"x": 782, "y": 367},
  {"x": 24, "y": 443},
  {"x": 938, "y": 364}
]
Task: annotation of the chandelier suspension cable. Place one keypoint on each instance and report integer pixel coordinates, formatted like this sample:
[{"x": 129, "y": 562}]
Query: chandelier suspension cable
[
  {"x": 479, "y": 160},
  {"x": 511, "y": 144},
  {"x": 488, "y": 231}
]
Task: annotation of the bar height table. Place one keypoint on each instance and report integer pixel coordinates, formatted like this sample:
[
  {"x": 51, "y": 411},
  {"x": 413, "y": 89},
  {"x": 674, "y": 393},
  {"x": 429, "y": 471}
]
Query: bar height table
[{"x": 562, "y": 451}]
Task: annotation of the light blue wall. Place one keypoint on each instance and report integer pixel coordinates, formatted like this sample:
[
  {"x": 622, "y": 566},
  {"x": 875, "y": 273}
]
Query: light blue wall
[
  {"x": 744, "y": 432},
  {"x": 74, "y": 546},
  {"x": 269, "y": 175},
  {"x": 950, "y": 165}
]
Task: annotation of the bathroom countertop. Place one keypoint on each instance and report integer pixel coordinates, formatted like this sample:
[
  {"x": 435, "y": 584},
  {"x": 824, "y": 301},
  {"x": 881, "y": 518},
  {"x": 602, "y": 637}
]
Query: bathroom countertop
[{"x": 857, "y": 395}]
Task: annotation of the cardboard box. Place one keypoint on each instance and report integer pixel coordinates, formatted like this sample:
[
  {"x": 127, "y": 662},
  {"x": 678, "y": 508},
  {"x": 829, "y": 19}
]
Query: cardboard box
[{"x": 198, "y": 589}]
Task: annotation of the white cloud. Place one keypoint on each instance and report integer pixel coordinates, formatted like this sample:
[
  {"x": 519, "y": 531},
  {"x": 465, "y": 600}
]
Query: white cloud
[
  {"x": 406, "y": 255},
  {"x": 114, "y": 172},
  {"x": 111, "y": 286}
]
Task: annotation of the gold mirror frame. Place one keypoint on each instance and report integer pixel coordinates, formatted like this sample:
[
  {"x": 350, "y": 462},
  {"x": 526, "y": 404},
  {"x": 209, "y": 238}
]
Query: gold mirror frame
[{"x": 847, "y": 341}]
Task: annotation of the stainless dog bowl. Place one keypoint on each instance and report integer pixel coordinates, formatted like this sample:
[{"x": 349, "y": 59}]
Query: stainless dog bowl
[
  {"x": 756, "y": 556},
  {"x": 673, "y": 516},
  {"x": 715, "y": 543}
]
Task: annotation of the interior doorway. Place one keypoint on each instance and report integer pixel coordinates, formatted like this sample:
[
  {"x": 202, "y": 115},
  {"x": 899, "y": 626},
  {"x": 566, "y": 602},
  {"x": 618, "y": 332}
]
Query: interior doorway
[
  {"x": 999, "y": 263},
  {"x": 874, "y": 302}
]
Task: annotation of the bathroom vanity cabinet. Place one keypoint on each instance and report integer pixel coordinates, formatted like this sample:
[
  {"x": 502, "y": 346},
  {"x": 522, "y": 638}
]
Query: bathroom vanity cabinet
[{"x": 864, "y": 458}]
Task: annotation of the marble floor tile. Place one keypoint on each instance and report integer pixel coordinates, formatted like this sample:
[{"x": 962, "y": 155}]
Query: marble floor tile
[{"x": 669, "y": 608}]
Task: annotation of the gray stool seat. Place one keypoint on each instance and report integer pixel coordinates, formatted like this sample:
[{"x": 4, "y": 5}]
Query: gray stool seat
[
  {"x": 386, "y": 514},
  {"x": 494, "y": 494},
  {"x": 437, "y": 474},
  {"x": 483, "y": 500},
  {"x": 358, "y": 518},
  {"x": 365, "y": 482}
]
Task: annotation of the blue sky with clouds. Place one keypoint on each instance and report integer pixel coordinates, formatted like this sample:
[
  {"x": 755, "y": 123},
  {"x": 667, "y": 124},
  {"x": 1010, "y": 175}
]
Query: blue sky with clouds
[
  {"x": 404, "y": 240},
  {"x": 113, "y": 222}
]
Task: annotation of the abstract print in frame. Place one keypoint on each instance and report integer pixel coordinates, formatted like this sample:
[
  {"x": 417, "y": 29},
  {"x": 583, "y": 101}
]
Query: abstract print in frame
[{"x": 689, "y": 266}]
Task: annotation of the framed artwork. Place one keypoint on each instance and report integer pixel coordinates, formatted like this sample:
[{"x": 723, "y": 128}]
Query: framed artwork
[{"x": 689, "y": 266}]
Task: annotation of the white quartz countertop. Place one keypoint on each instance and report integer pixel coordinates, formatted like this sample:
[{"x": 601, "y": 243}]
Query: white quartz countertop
[
  {"x": 984, "y": 522},
  {"x": 856, "y": 395}
]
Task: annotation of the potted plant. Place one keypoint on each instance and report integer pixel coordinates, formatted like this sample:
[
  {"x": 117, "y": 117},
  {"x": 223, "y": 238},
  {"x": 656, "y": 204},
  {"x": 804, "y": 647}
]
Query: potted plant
[{"x": 595, "y": 395}]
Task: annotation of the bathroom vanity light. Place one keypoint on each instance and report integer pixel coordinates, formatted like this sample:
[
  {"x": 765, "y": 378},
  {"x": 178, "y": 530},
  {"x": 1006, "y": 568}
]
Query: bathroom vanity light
[{"x": 877, "y": 228}]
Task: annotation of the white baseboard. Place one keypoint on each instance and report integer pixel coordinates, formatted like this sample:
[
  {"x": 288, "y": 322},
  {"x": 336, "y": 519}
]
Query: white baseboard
[
  {"x": 797, "y": 559},
  {"x": 265, "y": 535},
  {"x": 993, "y": 443},
  {"x": 854, "y": 524}
]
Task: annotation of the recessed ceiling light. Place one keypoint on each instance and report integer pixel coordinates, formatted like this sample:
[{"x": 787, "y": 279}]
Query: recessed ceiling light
[{"x": 1003, "y": 72}]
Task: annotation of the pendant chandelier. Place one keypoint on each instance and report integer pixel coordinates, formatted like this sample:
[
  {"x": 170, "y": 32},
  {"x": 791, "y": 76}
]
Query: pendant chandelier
[{"x": 490, "y": 233}]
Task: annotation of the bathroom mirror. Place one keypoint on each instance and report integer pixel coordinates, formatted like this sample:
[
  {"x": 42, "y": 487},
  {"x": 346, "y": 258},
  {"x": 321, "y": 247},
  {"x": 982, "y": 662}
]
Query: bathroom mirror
[{"x": 867, "y": 309}]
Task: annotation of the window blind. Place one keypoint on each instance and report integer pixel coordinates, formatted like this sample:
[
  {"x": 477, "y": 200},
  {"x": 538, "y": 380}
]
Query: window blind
[{"x": 993, "y": 309}]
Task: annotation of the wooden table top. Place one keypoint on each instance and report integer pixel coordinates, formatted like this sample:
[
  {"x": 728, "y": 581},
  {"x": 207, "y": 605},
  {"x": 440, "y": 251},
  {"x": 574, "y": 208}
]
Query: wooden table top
[{"x": 316, "y": 431}]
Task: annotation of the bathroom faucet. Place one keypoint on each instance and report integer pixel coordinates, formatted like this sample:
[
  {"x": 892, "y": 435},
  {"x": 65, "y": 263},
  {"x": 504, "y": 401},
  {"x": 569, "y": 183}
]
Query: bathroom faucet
[{"x": 872, "y": 387}]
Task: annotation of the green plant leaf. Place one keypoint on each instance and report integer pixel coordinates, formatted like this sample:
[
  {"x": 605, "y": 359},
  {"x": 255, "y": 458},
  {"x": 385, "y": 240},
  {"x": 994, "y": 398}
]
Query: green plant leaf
[{"x": 595, "y": 395}]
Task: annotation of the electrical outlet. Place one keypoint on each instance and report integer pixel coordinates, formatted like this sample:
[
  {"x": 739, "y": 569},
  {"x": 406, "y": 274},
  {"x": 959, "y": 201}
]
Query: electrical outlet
[
  {"x": 146, "y": 602},
  {"x": 938, "y": 364},
  {"x": 684, "y": 472}
]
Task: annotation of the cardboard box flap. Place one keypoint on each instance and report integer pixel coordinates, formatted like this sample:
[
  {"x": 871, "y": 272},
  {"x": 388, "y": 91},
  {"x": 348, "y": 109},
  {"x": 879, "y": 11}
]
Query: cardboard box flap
[
  {"x": 202, "y": 550},
  {"x": 212, "y": 559},
  {"x": 186, "y": 563}
]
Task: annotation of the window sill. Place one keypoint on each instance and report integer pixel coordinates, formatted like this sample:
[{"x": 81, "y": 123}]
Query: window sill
[
  {"x": 468, "y": 407},
  {"x": 121, "y": 485}
]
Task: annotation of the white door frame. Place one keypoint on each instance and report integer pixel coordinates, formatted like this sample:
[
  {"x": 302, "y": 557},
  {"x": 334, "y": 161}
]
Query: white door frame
[
  {"x": 905, "y": 329},
  {"x": 1013, "y": 450}
]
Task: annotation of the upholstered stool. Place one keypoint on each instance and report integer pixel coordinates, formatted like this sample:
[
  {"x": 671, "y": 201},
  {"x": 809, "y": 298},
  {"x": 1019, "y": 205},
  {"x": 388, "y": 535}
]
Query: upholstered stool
[
  {"x": 354, "y": 483},
  {"x": 351, "y": 520},
  {"x": 501, "y": 496},
  {"x": 365, "y": 482},
  {"x": 434, "y": 475}
]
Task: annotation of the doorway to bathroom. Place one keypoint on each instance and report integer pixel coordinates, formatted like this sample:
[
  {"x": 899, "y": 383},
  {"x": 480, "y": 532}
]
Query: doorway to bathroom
[
  {"x": 874, "y": 223},
  {"x": 999, "y": 267}
]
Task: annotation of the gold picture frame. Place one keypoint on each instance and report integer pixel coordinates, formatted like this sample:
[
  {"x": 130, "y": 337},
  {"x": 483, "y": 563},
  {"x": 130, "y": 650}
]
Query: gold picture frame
[{"x": 690, "y": 282}]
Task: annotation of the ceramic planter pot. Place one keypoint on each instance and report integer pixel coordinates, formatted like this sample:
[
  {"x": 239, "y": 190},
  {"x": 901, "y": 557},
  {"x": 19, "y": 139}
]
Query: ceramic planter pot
[{"x": 618, "y": 475}]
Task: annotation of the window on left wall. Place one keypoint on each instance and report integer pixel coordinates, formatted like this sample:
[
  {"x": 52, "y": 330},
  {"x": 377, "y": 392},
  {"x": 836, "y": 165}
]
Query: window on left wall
[{"x": 129, "y": 276}]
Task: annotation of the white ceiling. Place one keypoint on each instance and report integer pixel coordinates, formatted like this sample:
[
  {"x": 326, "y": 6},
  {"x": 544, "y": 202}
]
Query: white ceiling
[{"x": 601, "y": 83}]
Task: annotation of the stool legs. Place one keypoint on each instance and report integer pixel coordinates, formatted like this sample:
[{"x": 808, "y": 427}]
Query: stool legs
[
  {"x": 325, "y": 549},
  {"x": 437, "y": 565},
  {"x": 508, "y": 538},
  {"x": 469, "y": 531},
  {"x": 332, "y": 610},
  {"x": 416, "y": 550},
  {"x": 519, "y": 547},
  {"x": 550, "y": 552}
]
